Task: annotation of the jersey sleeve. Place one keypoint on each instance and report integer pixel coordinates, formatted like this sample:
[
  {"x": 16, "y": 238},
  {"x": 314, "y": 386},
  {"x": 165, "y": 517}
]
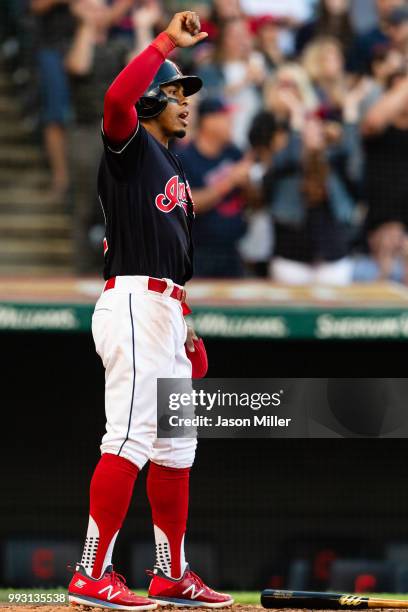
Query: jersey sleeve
[
  {"x": 125, "y": 159},
  {"x": 123, "y": 137},
  {"x": 119, "y": 112}
]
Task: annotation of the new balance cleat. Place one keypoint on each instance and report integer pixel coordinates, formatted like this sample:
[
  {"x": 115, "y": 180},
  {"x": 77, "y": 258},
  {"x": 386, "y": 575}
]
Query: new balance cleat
[
  {"x": 187, "y": 591},
  {"x": 109, "y": 591}
]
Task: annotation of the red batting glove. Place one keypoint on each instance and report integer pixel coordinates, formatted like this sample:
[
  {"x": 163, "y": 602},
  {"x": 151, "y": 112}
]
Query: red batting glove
[{"x": 198, "y": 358}]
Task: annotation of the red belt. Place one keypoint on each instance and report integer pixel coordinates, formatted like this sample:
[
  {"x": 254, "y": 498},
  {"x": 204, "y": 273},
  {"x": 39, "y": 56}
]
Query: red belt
[{"x": 160, "y": 286}]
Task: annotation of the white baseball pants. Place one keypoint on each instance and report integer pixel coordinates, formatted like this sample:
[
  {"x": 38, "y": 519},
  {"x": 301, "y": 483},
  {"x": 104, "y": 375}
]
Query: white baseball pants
[{"x": 139, "y": 335}]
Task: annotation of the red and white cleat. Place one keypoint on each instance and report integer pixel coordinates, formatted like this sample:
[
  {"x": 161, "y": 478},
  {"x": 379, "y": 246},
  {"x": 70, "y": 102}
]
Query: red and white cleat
[
  {"x": 189, "y": 591},
  {"x": 109, "y": 591}
]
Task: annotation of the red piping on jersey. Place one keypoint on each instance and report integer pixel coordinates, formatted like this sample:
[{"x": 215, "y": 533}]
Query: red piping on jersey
[
  {"x": 119, "y": 113},
  {"x": 110, "y": 283}
]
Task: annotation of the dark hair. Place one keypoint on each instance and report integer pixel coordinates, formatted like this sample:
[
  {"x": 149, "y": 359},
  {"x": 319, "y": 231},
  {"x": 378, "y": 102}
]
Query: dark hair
[
  {"x": 380, "y": 51},
  {"x": 339, "y": 27},
  {"x": 262, "y": 129},
  {"x": 222, "y": 27},
  {"x": 399, "y": 74},
  {"x": 217, "y": 20}
]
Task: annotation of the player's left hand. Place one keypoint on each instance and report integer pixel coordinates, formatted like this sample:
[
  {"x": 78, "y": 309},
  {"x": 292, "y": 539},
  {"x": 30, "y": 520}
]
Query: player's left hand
[
  {"x": 195, "y": 351},
  {"x": 191, "y": 336}
]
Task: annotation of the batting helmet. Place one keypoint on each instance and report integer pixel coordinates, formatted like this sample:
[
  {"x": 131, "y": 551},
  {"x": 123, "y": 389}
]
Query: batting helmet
[{"x": 154, "y": 100}]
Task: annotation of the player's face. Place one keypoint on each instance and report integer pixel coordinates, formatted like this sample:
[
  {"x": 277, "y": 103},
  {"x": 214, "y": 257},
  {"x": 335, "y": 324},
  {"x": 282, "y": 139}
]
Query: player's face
[{"x": 174, "y": 119}]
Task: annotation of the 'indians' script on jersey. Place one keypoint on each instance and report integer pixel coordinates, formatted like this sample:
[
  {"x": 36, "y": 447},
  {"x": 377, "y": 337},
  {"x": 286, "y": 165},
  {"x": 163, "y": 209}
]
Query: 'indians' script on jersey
[{"x": 174, "y": 195}]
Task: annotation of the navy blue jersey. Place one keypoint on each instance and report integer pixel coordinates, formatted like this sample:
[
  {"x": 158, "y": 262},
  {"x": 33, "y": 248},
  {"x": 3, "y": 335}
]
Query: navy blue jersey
[{"x": 148, "y": 210}]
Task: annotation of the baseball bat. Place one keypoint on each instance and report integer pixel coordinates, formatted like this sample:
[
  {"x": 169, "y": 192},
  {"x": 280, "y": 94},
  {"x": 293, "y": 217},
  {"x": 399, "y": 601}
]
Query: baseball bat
[{"x": 271, "y": 598}]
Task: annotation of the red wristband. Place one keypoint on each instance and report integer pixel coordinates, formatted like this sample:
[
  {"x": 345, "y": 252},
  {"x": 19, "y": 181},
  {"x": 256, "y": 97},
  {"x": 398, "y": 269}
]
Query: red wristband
[
  {"x": 198, "y": 358},
  {"x": 164, "y": 44}
]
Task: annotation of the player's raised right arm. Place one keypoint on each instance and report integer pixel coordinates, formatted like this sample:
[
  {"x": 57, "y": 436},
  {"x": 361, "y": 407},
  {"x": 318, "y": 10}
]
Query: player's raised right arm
[{"x": 120, "y": 117}]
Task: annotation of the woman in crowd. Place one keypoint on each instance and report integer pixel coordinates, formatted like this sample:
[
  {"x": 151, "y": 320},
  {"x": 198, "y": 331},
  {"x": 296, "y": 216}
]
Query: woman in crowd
[
  {"x": 290, "y": 77},
  {"x": 236, "y": 74},
  {"x": 56, "y": 26},
  {"x": 310, "y": 200},
  {"x": 221, "y": 11},
  {"x": 266, "y": 30},
  {"x": 323, "y": 61},
  {"x": 332, "y": 19},
  {"x": 385, "y": 131}
]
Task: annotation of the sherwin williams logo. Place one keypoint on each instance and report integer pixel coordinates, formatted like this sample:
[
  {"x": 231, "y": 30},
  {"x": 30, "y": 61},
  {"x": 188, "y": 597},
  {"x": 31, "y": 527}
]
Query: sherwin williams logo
[
  {"x": 387, "y": 326},
  {"x": 221, "y": 325},
  {"x": 175, "y": 194},
  {"x": 13, "y": 317}
]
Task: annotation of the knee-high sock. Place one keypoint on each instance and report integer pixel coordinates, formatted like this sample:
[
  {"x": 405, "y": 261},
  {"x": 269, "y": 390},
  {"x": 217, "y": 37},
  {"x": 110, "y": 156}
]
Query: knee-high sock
[
  {"x": 167, "y": 489},
  {"x": 110, "y": 494}
]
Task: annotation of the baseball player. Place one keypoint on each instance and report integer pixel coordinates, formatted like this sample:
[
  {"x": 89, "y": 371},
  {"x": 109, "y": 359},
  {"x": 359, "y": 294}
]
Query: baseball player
[{"x": 138, "y": 325}]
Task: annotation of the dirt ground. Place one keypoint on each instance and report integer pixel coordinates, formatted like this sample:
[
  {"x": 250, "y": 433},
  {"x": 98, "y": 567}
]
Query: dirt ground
[
  {"x": 40, "y": 608},
  {"x": 234, "y": 608}
]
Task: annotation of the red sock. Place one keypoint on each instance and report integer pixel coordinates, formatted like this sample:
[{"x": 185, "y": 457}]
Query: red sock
[
  {"x": 167, "y": 489},
  {"x": 110, "y": 494}
]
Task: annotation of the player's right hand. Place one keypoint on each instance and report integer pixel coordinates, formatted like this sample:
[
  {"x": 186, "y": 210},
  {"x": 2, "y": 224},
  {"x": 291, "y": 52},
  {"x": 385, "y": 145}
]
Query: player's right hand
[{"x": 184, "y": 29}]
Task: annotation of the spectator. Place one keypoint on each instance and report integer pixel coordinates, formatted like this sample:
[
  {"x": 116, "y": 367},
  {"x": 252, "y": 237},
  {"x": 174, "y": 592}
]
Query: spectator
[
  {"x": 256, "y": 246},
  {"x": 201, "y": 7},
  {"x": 323, "y": 61},
  {"x": 120, "y": 21},
  {"x": 56, "y": 28},
  {"x": 387, "y": 256},
  {"x": 365, "y": 44},
  {"x": 222, "y": 10},
  {"x": 266, "y": 138},
  {"x": 385, "y": 62},
  {"x": 144, "y": 19},
  {"x": 398, "y": 30},
  {"x": 291, "y": 13},
  {"x": 218, "y": 176},
  {"x": 385, "y": 130},
  {"x": 294, "y": 12},
  {"x": 364, "y": 15},
  {"x": 226, "y": 9},
  {"x": 267, "y": 30},
  {"x": 310, "y": 201},
  {"x": 332, "y": 20},
  {"x": 236, "y": 75},
  {"x": 93, "y": 61},
  {"x": 290, "y": 77}
]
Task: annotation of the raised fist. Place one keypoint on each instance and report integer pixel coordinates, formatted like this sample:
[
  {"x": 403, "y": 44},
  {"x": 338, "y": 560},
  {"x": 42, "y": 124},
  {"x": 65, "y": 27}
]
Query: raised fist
[{"x": 184, "y": 29}]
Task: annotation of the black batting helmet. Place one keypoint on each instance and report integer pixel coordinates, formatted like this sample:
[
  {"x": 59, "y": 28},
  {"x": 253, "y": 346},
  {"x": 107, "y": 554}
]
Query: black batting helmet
[{"x": 154, "y": 100}]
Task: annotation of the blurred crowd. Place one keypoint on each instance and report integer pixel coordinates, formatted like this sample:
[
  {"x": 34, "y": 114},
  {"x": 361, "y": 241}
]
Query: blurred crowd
[{"x": 298, "y": 154}]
